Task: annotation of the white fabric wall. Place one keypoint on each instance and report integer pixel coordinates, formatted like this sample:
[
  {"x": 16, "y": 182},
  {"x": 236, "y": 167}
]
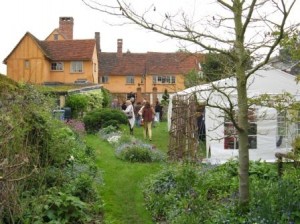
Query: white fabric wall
[
  {"x": 265, "y": 81},
  {"x": 266, "y": 137}
]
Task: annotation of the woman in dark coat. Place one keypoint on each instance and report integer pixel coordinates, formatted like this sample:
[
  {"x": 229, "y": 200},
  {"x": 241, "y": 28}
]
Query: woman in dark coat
[{"x": 148, "y": 115}]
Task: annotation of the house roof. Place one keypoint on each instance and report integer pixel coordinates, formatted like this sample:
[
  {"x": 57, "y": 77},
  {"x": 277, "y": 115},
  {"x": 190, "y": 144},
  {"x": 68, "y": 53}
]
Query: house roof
[
  {"x": 172, "y": 63},
  {"x": 148, "y": 63},
  {"x": 62, "y": 50},
  {"x": 58, "y": 32},
  {"x": 65, "y": 50},
  {"x": 33, "y": 38}
]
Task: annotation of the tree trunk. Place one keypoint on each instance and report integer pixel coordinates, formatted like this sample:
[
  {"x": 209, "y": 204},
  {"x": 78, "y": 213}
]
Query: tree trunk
[
  {"x": 243, "y": 143},
  {"x": 240, "y": 57}
]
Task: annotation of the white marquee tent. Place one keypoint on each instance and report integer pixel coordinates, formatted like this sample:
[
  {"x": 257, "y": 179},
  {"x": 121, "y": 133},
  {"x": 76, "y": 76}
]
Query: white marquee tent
[{"x": 270, "y": 133}]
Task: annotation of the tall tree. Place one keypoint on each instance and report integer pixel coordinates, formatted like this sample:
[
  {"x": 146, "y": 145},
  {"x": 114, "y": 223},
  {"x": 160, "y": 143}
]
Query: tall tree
[{"x": 238, "y": 29}]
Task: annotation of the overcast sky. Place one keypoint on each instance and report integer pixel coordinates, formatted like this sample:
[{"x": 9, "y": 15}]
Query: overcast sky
[{"x": 41, "y": 17}]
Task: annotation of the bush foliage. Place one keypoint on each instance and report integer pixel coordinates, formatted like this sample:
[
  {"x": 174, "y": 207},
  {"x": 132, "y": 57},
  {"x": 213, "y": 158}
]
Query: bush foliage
[
  {"x": 101, "y": 118},
  {"x": 193, "y": 193},
  {"x": 48, "y": 172}
]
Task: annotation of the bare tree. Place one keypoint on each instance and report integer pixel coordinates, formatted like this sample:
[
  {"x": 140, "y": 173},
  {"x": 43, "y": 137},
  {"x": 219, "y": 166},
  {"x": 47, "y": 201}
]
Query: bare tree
[{"x": 241, "y": 29}]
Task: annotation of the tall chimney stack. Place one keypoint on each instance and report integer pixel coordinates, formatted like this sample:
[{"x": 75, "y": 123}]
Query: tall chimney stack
[
  {"x": 66, "y": 27},
  {"x": 97, "y": 38},
  {"x": 120, "y": 46}
]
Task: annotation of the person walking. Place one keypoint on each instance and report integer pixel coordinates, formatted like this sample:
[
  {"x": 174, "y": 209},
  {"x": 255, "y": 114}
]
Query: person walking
[
  {"x": 201, "y": 126},
  {"x": 130, "y": 115},
  {"x": 138, "y": 117},
  {"x": 148, "y": 115}
]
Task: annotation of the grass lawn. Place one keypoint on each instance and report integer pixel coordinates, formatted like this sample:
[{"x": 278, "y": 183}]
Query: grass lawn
[{"x": 122, "y": 191}]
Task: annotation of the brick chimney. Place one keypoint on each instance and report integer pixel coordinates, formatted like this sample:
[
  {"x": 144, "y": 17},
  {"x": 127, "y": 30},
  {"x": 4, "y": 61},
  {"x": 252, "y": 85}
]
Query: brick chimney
[
  {"x": 120, "y": 46},
  {"x": 66, "y": 27}
]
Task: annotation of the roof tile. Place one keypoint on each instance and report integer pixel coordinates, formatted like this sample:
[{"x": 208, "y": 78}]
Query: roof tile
[
  {"x": 64, "y": 50},
  {"x": 148, "y": 63}
]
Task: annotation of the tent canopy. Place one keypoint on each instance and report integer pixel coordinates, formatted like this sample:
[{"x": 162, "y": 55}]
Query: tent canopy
[{"x": 220, "y": 93}]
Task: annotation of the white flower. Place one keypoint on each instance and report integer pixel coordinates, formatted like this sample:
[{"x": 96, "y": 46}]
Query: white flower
[
  {"x": 113, "y": 139},
  {"x": 71, "y": 158}
]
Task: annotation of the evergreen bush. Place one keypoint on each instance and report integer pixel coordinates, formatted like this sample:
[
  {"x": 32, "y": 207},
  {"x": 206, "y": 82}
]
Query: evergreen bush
[{"x": 97, "y": 119}]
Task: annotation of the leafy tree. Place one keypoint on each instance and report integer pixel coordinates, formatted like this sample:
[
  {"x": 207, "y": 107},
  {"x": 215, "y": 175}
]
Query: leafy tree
[
  {"x": 78, "y": 104},
  {"x": 290, "y": 46},
  {"x": 106, "y": 98},
  {"x": 218, "y": 66},
  {"x": 193, "y": 78},
  {"x": 290, "y": 50},
  {"x": 165, "y": 97},
  {"x": 241, "y": 30}
]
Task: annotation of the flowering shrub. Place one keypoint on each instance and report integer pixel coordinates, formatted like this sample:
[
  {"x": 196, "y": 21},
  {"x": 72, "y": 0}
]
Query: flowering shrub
[
  {"x": 138, "y": 152},
  {"x": 110, "y": 134},
  {"x": 129, "y": 148},
  {"x": 76, "y": 125}
]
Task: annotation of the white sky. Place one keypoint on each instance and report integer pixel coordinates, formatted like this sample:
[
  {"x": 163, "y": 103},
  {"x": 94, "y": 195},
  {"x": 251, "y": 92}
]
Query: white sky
[{"x": 41, "y": 17}]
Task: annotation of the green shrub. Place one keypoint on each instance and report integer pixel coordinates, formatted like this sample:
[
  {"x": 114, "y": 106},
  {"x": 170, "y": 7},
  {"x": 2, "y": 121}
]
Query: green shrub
[
  {"x": 136, "y": 154},
  {"x": 193, "y": 194},
  {"x": 92, "y": 122},
  {"x": 106, "y": 98},
  {"x": 94, "y": 99},
  {"x": 43, "y": 153},
  {"x": 78, "y": 104},
  {"x": 58, "y": 207},
  {"x": 113, "y": 123},
  {"x": 137, "y": 151},
  {"x": 296, "y": 147},
  {"x": 97, "y": 119}
]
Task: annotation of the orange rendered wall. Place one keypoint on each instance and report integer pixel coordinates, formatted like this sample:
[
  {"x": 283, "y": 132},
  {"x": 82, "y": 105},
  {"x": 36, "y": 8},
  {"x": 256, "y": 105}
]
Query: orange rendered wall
[
  {"x": 39, "y": 69},
  {"x": 66, "y": 76},
  {"x": 27, "y": 50},
  {"x": 117, "y": 84}
]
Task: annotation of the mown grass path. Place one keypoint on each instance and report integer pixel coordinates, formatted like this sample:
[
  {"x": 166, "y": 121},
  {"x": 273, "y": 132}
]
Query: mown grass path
[{"x": 122, "y": 190}]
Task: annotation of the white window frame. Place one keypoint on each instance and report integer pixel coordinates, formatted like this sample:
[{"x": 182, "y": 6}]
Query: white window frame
[
  {"x": 57, "y": 66},
  {"x": 281, "y": 127},
  {"x": 164, "y": 79},
  {"x": 76, "y": 66},
  {"x": 129, "y": 79},
  {"x": 231, "y": 135}
]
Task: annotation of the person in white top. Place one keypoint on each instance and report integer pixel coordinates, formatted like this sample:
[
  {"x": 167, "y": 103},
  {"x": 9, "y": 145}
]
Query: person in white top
[{"x": 130, "y": 115}]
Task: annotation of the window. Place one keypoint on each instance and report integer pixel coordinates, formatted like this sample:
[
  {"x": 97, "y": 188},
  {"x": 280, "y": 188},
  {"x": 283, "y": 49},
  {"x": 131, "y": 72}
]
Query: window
[
  {"x": 104, "y": 79},
  {"x": 281, "y": 129},
  {"x": 130, "y": 79},
  {"x": 164, "y": 79},
  {"x": 95, "y": 67},
  {"x": 55, "y": 36},
  {"x": 27, "y": 64},
  {"x": 142, "y": 80},
  {"x": 76, "y": 66},
  {"x": 57, "y": 66},
  {"x": 231, "y": 140}
]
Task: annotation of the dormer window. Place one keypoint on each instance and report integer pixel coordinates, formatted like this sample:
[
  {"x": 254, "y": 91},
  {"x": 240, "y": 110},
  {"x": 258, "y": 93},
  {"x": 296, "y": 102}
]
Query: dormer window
[{"x": 57, "y": 66}]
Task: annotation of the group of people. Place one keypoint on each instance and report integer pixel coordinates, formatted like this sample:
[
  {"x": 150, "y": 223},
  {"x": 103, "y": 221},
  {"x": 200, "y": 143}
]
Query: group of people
[
  {"x": 144, "y": 114},
  {"x": 141, "y": 114}
]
